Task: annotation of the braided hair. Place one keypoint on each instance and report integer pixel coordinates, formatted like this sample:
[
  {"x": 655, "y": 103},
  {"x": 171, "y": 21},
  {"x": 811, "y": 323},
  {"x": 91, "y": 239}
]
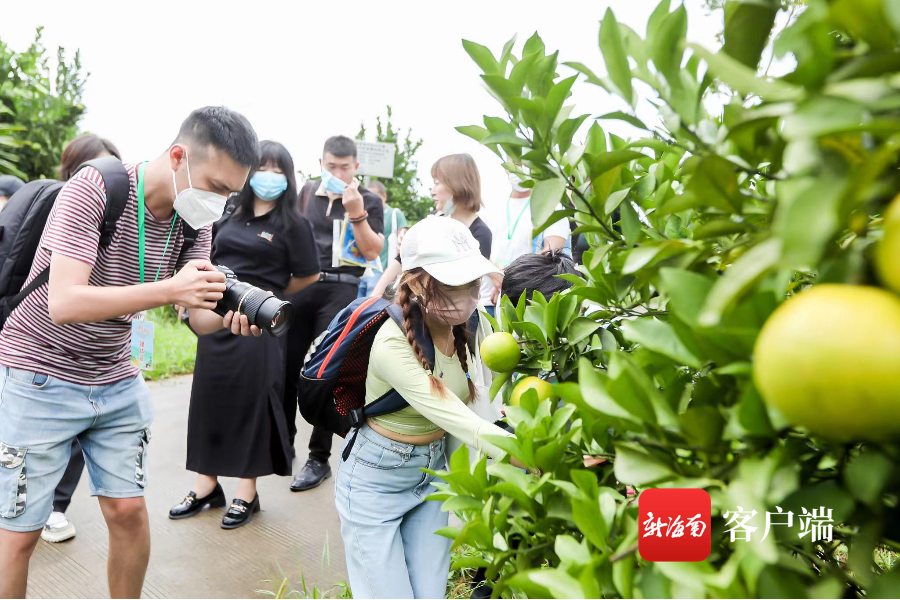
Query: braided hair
[{"x": 413, "y": 315}]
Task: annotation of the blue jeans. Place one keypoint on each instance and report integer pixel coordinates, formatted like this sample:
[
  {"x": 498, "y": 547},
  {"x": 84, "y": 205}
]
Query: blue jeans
[
  {"x": 41, "y": 415},
  {"x": 367, "y": 285},
  {"x": 387, "y": 526}
]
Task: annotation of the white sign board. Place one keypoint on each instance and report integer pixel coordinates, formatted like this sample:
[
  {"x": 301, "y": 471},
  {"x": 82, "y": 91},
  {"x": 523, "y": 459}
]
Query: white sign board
[{"x": 376, "y": 159}]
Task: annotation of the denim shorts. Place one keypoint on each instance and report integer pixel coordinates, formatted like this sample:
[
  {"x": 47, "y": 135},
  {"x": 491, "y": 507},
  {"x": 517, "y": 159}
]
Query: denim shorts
[
  {"x": 387, "y": 526},
  {"x": 41, "y": 415}
]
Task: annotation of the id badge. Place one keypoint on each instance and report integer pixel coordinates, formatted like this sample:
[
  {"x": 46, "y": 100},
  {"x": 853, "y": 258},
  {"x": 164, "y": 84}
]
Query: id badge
[
  {"x": 337, "y": 239},
  {"x": 142, "y": 343}
]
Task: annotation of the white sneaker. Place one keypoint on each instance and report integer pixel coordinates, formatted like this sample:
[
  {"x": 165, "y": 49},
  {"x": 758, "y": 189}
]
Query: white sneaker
[{"x": 58, "y": 528}]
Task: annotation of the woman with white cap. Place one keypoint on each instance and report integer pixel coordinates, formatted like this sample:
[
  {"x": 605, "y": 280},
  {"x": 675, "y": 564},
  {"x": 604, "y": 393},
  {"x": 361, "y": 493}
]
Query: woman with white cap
[{"x": 387, "y": 526}]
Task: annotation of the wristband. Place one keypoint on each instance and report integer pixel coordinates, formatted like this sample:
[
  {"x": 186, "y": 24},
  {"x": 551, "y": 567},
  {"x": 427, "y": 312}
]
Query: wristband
[{"x": 364, "y": 216}]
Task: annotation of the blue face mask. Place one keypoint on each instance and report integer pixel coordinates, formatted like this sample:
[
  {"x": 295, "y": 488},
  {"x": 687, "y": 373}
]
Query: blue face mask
[
  {"x": 332, "y": 183},
  {"x": 268, "y": 185}
]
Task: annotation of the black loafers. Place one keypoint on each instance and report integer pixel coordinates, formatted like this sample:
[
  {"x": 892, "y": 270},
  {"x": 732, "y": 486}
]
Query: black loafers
[
  {"x": 314, "y": 472},
  {"x": 240, "y": 513},
  {"x": 191, "y": 504}
]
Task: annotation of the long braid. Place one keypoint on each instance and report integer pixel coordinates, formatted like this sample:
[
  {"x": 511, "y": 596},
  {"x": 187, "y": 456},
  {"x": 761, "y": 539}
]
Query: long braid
[
  {"x": 460, "y": 341},
  {"x": 406, "y": 304}
]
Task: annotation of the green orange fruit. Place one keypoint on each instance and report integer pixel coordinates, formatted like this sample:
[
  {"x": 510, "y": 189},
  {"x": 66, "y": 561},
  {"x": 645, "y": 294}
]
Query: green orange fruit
[
  {"x": 500, "y": 352},
  {"x": 544, "y": 390},
  {"x": 829, "y": 360},
  {"x": 887, "y": 251}
]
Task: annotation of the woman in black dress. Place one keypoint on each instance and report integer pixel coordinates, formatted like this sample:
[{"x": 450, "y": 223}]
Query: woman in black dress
[{"x": 236, "y": 424}]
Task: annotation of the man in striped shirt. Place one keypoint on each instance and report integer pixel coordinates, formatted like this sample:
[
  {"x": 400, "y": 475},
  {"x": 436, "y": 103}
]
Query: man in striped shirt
[{"x": 65, "y": 367}]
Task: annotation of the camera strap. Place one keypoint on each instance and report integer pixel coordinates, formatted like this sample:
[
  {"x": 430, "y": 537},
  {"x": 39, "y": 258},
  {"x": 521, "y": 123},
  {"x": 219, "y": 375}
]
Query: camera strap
[{"x": 141, "y": 217}]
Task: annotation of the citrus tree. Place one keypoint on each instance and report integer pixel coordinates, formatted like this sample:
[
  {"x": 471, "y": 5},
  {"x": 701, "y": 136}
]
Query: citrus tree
[{"x": 740, "y": 336}]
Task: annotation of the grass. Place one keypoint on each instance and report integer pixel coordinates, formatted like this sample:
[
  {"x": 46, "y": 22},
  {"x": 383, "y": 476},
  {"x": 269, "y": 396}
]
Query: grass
[
  {"x": 459, "y": 582},
  {"x": 174, "y": 345},
  {"x": 282, "y": 587}
]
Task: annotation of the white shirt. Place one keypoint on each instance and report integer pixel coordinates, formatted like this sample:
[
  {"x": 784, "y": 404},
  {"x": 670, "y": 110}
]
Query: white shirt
[{"x": 511, "y": 228}]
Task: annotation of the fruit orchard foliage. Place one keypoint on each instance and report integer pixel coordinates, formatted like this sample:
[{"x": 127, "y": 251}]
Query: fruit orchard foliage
[
  {"x": 403, "y": 188},
  {"x": 699, "y": 231},
  {"x": 39, "y": 108}
]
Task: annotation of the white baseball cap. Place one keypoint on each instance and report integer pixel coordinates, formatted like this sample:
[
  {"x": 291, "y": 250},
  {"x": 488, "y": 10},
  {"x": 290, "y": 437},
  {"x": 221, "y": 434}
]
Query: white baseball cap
[{"x": 446, "y": 250}]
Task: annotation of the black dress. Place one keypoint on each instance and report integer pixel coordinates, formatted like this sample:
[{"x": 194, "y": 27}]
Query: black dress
[{"x": 236, "y": 424}]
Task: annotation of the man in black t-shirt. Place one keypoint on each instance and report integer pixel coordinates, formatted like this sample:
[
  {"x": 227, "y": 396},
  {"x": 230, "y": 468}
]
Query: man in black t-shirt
[{"x": 325, "y": 202}]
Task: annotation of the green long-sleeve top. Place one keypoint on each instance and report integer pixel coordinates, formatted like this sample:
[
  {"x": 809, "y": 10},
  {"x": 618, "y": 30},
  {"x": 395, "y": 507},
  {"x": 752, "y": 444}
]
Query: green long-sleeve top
[{"x": 393, "y": 365}]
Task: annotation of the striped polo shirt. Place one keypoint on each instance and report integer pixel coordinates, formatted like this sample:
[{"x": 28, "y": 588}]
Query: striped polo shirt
[{"x": 91, "y": 353}]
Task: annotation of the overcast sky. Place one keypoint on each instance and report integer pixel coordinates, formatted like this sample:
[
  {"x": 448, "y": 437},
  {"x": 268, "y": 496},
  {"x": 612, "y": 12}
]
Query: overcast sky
[{"x": 303, "y": 71}]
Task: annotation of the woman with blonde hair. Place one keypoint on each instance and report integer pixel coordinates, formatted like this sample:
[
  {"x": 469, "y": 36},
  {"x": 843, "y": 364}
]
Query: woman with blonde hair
[{"x": 457, "y": 194}]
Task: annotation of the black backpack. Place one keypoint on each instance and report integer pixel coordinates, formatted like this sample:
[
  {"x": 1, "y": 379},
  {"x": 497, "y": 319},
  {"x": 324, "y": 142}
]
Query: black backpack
[{"x": 22, "y": 224}]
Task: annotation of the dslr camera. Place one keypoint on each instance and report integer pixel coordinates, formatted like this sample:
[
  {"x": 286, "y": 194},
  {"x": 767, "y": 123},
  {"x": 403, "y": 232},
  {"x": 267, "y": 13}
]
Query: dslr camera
[{"x": 262, "y": 309}]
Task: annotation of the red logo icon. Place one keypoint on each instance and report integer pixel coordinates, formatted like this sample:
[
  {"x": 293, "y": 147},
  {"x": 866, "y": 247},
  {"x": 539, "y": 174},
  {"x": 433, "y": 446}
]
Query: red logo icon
[{"x": 674, "y": 525}]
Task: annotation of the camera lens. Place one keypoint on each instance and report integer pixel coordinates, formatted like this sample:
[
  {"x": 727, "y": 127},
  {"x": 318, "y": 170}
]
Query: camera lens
[{"x": 265, "y": 311}]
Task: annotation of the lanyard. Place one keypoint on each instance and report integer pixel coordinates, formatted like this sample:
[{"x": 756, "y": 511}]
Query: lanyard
[
  {"x": 511, "y": 233},
  {"x": 141, "y": 217}
]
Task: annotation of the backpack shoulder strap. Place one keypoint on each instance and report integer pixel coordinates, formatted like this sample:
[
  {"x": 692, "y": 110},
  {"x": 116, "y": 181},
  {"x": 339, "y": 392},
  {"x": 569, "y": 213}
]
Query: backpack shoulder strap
[
  {"x": 421, "y": 333},
  {"x": 118, "y": 186}
]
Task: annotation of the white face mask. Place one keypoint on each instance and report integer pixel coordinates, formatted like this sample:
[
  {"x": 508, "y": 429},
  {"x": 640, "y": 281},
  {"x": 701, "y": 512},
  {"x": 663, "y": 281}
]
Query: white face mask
[
  {"x": 198, "y": 208},
  {"x": 515, "y": 181},
  {"x": 460, "y": 305}
]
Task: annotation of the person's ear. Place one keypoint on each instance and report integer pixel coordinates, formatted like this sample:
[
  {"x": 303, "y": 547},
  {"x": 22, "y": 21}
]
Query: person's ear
[
  {"x": 177, "y": 154},
  {"x": 356, "y": 167},
  {"x": 321, "y": 166}
]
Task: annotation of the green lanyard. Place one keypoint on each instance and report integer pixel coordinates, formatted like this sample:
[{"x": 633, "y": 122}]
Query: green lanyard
[
  {"x": 511, "y": 233},
  {"x": 141, "y": 217}
]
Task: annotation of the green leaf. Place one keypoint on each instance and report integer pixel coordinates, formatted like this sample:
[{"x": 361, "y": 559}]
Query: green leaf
[
  {"x": 661, "y": 338},
  {"x": 807, "y": 218},
  {"x": 636, "y": 466},
  {"x": 605, "y": 161},
  {"x": 747, "y": 27},
  {"x": 580, "y": 329},
  {"x": 482, "y": 57},
  {"x": 622, "y": 116},
  {"x": 585, "y": 70},
  {"x": 460, "y": 503},
  {"x": 588, "y": 520},
  {"x": 666, "y": 44},
  {"x": 557, "y": 582},
  {"x": 631, "y": 224},
  {"x": 822, "y": 116},
  {"x": 866, "y": 20},
  {"x": 473, "y": 131},
  {"x": 715, "y": 182},
  {"x": 593, "y": 384},
  {"x": 867, "y": 475},
  {"x": 744, "y": 80},
  {"x": 739, "y": 277},
  {"x": 623, "y": 576},
  {"x": 504, "y": 137},
  {"x": 702, "y": 425},
  {"x": 614, "y": 56},
  {"x": 718, "y": 228},
  {"x": 545, "y": 197},
  {"x": 571, "y": 551},
  {"x": 687, "y": 292},
  {"x": 614, "y": 200}
]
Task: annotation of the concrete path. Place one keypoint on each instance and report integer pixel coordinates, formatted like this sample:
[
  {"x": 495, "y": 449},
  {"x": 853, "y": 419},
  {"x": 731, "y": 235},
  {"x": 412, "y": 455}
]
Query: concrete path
[{"x": 195, "y": 558}]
